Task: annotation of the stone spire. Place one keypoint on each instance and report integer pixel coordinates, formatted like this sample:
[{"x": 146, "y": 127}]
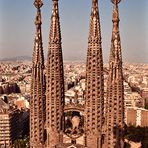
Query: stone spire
[
  {"x": 115, "y": 89},
  {"x": 55, "y": 82},
  {"x": 94, "y": 97},
  {"x": 37, "y": 101}
]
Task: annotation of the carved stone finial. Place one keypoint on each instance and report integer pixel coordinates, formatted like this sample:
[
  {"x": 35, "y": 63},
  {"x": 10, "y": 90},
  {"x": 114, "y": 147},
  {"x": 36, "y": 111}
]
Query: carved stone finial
[
  {"x": 94, "y": 4},
  {"x": 116, "y": 2},
  {"x": 94, "y": 1},
  {"x": 115, "y": 18},
  {"x": 38, "y": 3}
]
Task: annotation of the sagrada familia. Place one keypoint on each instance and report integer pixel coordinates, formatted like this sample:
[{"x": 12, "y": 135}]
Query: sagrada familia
[{"x": 103, "y": 125}]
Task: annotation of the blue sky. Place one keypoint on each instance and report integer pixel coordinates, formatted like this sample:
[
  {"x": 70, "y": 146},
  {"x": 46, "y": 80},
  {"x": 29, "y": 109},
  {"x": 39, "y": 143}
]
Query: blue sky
[{"x": 17, "y": 28}]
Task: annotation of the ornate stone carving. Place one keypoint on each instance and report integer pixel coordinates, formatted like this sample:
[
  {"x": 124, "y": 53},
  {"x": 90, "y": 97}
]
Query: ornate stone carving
[
  {"x": 94, "y": 97},
  {"x": 37, "y": 101},
  {"x": 115, "y": 92},
  {"x": 55, "y": 82}
]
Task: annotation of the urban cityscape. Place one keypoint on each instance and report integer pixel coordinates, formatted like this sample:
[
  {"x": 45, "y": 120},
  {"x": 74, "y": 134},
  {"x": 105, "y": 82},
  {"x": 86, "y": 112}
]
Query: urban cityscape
[{"x": 56, "y": 103}]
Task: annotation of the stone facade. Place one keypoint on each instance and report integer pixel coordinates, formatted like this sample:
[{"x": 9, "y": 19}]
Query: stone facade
[
  {"x": 37, "y": 101},
  {"x": 94, "y": 92},
  {"x": 115, "y": 89},
  {"x": 55, "y": 82},
  {"x": 102, "y": 127}
]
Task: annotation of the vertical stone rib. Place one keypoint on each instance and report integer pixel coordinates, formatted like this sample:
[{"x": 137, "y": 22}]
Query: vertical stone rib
[
  {"x": 94, "y": 97},
  {"x": 37, "y": 101},
  {"x": 115, "y": 90},
  {"x": 55, "y": 81}
]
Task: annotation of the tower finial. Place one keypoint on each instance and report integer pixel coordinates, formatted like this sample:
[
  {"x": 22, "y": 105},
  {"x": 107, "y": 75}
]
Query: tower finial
[
  {"x": 38, "y": 4},
  {"x": 94, "y": 2},
  {"x": 115, "y": 2},
  {"x": 94, "y": 6},
  {"x": 115, "y": 17},
  {"x": 38, "y": 49}
]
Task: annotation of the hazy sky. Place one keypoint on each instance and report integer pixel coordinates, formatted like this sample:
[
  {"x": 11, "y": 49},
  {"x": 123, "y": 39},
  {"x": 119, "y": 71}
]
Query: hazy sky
[{"x": 17, "y": 28}]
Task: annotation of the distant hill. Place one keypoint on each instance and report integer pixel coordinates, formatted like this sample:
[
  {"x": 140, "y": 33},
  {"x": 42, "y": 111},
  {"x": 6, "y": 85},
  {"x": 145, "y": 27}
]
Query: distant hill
[{"x": 19, "y": 58}]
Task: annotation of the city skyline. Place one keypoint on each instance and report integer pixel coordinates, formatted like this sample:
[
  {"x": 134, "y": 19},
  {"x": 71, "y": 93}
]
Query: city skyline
[{"x": 17, "y": 29}]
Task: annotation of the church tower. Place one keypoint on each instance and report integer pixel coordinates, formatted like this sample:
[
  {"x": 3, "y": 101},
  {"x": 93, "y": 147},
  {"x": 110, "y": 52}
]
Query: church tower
[
  {"x": 37, "y": 101},
  {"x": 115, "y": 89},
  {"x": 94, "y": 92},
  {"x": 55, "y": 82}
]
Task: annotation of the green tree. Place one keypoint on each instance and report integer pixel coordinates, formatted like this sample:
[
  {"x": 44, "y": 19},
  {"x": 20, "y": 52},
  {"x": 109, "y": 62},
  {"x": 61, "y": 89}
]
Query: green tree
[
  {"x": 145, "y": 139},
  {"x": 137, "y": 134},
  {"x": 146, "y": 106},
  {"x": 127, "y": 145},
  {"x": 21, "y": 143}
]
